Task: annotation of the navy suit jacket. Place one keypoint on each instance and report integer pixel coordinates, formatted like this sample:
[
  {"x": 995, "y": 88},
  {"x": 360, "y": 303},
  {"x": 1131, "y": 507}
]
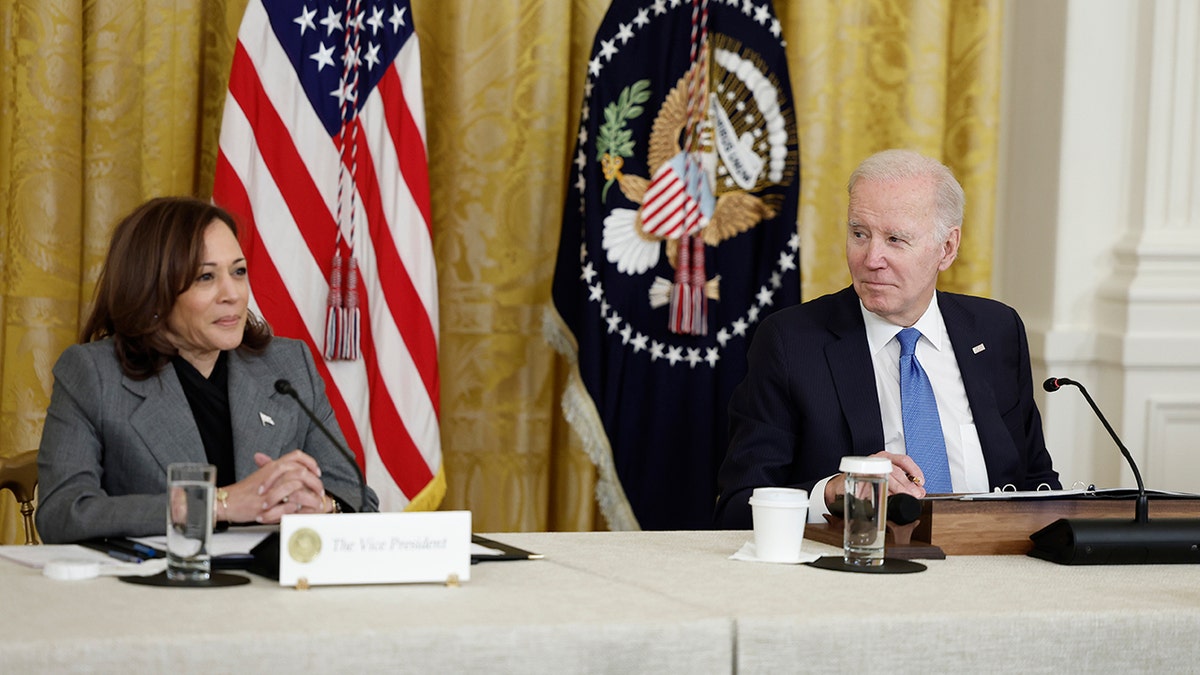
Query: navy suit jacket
[{"x": 809, "y": 398}]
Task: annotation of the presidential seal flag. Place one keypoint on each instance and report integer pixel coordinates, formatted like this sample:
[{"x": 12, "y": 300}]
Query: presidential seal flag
[
  {"x": 322, "y": 160},
  {"x": 678, "y": 238}
]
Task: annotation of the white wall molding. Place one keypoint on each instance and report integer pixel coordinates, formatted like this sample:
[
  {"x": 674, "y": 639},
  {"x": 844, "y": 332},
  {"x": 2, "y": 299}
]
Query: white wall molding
[
  {"x": 1099, "y": 224},
  {"x": 1172, "y": 457}
]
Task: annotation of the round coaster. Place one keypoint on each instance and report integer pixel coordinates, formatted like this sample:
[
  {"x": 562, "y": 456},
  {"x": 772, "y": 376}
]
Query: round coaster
[
  {"x": 889, "y": 566},
  {"x": 215, "y": 580}
]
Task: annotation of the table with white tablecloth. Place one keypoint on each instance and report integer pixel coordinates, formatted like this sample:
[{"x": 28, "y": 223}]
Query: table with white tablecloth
[
  {"x": 515, "y": 616},
  {"x": 622, "y": 602},
  {"x": 963, "y": 614}
]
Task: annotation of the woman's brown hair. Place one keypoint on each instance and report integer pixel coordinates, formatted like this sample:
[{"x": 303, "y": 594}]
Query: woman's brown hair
[{"x": 155, "y": 254}]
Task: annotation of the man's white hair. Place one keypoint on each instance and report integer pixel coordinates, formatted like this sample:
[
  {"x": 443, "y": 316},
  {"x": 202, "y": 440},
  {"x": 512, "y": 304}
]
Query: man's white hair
[{"x": 901, "y": 164}]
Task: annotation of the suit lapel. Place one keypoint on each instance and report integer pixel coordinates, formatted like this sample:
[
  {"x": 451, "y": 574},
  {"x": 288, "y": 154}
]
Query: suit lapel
[
  {"x": 164, "y": 420},
  {"x": 853, "y": 374},
  {"x": 263, "y": 419},
  {"x": 976, "y": 369},
  {"x": 965, "y": 336}
]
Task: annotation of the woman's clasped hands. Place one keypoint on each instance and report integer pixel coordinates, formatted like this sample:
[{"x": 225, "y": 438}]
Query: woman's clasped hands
[{"x": 290, "y": 484}]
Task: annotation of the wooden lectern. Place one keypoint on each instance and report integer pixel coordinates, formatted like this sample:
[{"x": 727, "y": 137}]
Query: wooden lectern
[{"x": 955, "y": 526}]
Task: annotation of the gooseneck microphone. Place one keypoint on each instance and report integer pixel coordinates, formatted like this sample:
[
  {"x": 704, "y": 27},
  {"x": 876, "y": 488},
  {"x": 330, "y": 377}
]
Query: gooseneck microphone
[
  {"x": 265, "y": 556},
  {"x": 1142, "y": 507},
  {"x": 286, "y": 388},
  {"x": 1100, "y": 541}
]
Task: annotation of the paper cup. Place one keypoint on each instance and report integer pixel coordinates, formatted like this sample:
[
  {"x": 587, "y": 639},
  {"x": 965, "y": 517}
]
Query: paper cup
[{"x": 779, "y": 515}]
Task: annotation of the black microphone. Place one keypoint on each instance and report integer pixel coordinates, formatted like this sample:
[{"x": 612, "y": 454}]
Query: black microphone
[
  {"x": 1112, "y": 541},
  {"x": 286, "y": 388},
  {"x": 902, "y": 509},
  {"x": 1142, "y": 506}
]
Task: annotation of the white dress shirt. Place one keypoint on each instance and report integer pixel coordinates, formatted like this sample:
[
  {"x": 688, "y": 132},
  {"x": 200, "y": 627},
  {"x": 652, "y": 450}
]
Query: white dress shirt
[{"x": 968, "y": 472}]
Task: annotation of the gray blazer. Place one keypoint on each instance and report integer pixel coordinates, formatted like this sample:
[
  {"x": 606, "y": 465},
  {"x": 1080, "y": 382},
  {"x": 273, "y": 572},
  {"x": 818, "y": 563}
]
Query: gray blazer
[{"x": 108, "y": 439}]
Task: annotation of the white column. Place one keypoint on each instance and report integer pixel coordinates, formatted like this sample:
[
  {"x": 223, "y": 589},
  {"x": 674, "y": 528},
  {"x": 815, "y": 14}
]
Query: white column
[
  {"x": 1153, "y": 352},
  {"x": 1098, "y": 242}
]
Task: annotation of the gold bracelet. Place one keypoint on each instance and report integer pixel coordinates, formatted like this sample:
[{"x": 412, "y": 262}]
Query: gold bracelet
[
  {"x": 334, "y": 505},
  {"x": 223, "y": 500}
]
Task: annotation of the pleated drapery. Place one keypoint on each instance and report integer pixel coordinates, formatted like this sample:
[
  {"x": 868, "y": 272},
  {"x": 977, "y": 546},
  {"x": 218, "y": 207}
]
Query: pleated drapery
[{"x": 106, "y": 103}]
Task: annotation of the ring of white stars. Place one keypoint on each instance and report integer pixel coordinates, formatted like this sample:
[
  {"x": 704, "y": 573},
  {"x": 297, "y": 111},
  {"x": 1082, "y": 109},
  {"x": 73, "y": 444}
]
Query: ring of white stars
[
  {"x": 674, "y": 354},
  {"x": 332, "y": 22},
  {"x": 786, "y": 262}
]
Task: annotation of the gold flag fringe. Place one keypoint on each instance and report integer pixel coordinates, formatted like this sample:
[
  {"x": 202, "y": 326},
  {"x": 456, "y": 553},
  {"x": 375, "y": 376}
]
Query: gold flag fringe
[{"x": 580, "y": 412}]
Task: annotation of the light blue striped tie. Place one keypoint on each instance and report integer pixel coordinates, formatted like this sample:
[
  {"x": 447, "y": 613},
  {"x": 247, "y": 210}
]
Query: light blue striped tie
[{"x": 923, "y": 438}]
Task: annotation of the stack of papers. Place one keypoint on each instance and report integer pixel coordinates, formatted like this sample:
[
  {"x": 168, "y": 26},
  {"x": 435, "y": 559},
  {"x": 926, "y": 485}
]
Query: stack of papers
[{"x": 38, "y": 557}]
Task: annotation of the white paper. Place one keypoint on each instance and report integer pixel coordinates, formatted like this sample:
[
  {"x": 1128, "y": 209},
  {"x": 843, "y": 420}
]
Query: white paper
[
  {"x": 1023, "y": 494},
  {"x": 748, "y": 554},
  {"x": 37, "y": 557},
  {"x": 235, "y": 540}
]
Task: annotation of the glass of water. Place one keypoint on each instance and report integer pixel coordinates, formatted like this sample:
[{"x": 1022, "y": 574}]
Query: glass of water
[
  {"x": 865, "y": 514},
  {"x": 190, "y": 489}
]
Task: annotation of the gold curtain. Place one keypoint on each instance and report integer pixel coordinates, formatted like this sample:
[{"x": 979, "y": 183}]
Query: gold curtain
[
  {"x": 920, "y": 74},
  {"x": 105, "y": 103}
]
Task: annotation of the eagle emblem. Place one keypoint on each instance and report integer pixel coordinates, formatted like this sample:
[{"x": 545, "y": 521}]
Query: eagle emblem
[{"x": 743, "y": 149}]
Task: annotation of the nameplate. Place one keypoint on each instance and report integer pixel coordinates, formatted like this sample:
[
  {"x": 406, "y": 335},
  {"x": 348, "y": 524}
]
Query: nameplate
[{"x": 375, "y": 548}]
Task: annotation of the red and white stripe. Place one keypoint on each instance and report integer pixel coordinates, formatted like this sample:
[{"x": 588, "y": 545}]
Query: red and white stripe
[
  {"x": 668, "y": 210},
  {"x": 277, "y": 171}
]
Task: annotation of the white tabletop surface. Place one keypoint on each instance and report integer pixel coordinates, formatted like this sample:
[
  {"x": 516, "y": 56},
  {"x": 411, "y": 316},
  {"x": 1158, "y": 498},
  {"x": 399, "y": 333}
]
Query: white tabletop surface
[{"x": 625, "y": 603}]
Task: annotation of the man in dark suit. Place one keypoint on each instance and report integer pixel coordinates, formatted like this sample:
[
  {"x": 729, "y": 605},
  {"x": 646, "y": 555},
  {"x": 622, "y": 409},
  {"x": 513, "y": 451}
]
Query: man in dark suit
[{"x": 824, "y": 377}]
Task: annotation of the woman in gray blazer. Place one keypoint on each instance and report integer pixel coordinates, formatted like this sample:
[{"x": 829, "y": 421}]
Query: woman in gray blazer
[{"x": 174, "y": 367}]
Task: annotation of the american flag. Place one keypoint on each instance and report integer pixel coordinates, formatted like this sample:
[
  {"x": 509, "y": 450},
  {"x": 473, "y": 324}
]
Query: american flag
[{"x": 322, "y": 150}]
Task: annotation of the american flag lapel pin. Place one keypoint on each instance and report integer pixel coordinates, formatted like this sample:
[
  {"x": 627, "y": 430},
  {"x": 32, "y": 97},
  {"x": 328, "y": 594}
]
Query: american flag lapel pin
[
  {"x": 266, "y": 419},
  {"x": 978, "y": 348}
]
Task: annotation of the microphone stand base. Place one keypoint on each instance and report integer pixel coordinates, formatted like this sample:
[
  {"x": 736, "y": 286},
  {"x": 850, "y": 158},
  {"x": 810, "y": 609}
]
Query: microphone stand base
[{"x": 1118, "y": 542}]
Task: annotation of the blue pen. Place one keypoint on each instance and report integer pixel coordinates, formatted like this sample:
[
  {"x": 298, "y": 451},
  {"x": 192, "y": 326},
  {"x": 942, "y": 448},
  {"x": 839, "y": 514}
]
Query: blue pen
[
  {"x": 112, "y": 551},
  {"x": 131, "y": 547},
  {"x": 148, "y": 551},
  {"x": 124, "y": 557}
]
